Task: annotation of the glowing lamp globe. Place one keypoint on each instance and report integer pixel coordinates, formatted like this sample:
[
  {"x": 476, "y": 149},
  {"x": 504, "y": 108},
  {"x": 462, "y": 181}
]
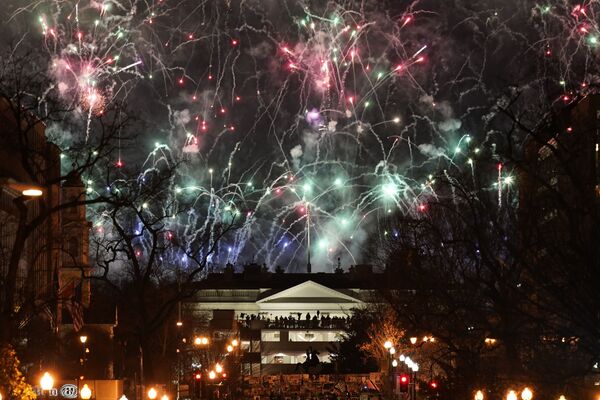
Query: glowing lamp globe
[
  {"x": 479, "y": 395},
  {"x": 512, "y": 395},
  {"x": 152, "y": 393},
  {"x": 526, "y": 394},
  {"x": 32, "y": 192},
  {"x": 387, "y": 344},
  {"x": 47, "y": 382},
  {"x": 86, "y": 392}
]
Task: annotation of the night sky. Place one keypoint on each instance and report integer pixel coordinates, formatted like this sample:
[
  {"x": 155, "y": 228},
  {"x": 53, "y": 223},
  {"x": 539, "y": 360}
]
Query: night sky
[{"x": 345, "y": 108}]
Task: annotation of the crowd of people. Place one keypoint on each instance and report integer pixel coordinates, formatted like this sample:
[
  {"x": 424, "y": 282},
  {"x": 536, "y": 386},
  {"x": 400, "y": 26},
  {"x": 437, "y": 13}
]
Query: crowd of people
[{"x": 295, "y": 321}]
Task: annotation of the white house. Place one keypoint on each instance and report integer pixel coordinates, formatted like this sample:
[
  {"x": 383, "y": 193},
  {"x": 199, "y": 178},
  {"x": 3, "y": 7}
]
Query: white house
[{"x": 281, "y": 319}]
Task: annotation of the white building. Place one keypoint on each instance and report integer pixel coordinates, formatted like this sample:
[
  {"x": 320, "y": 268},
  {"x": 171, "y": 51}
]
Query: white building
[{"x": 280, "y": 318}]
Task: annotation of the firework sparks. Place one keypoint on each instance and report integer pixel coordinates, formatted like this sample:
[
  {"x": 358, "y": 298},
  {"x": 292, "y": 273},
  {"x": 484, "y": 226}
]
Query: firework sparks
[{"x": 343, "y": 110}]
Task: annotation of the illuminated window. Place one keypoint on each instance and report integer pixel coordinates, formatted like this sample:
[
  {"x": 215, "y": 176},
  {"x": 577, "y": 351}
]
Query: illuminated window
[{"x": 270, "y": 336}]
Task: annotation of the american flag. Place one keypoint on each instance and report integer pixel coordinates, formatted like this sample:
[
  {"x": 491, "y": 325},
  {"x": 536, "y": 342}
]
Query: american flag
[{"x": 71, "y": 298}]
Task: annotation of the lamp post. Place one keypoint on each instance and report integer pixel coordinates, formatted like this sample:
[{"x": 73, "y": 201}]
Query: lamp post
[
  {"x": 235, "y": 367},
  {"x": 152, "y": 393},
  {"x": 526, "y": 394},
  {"x": 202, "y": 342},
  {"x": 83, "y": 339},
  {"x": 415, "y": 369},
  {"x": 390, "y": 350},
  {"x": 46, "y": 383},
  {"x": 86, "y": 392}
]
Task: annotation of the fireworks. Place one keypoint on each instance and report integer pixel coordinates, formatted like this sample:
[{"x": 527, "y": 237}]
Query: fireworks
[{"x": 328, "y": 118}]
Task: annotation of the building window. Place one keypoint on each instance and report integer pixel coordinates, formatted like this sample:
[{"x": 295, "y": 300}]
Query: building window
[
  {"x": 73, "y": 247},
  {"x": 73, "y": 209},
  {"x": 270, "y": 336},
  {"x": 315, "y": 336}
]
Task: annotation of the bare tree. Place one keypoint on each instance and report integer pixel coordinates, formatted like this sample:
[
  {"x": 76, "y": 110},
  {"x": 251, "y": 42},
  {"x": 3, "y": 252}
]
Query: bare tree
[
  {"x": 151, "y": 253},
  {"x": 501, "y": 264}
]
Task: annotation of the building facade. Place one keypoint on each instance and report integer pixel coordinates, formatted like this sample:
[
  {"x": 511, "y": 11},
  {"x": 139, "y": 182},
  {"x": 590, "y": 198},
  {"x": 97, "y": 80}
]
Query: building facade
[
  {"x": 286, "y": 323},
  {"x": 54, "y": 257}
]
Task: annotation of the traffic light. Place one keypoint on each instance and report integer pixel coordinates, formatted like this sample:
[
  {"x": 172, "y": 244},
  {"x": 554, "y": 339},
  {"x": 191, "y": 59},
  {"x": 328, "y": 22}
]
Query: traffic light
[
  {"x": 434, "y": 388},
  {"x": 404, "y": 381},
  {"x": 197, "y": 384}
]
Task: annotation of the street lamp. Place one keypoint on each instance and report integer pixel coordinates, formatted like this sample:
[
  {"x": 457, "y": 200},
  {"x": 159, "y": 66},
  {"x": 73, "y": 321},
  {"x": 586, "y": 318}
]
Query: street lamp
[
  {"x": 83, "y": 339},
  {"x": 394, "y": 364},
  {"x": 479, "y": 395},
  {"x": 27, "y": 190},
  {"x": 526, "y": 394},
  {"x": 229, "y": 348},
  {"x": 218, "y": 368},
  {"x": 391, "y": 351},
  {"x": 562, "y": 397},
  {"x": 413, "y": 340},
  {"x": 86, "y": 392},
  {"x": 235, "y": 343},
  {"x": 212, "y": 375},
  {"x": 200, "y": 341},
  {"x": 164, "y": 397},
  {"x": 152, "y": 393},
  {"x": 47, "y": 381},
  {"x": 512, "y": 395}
]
